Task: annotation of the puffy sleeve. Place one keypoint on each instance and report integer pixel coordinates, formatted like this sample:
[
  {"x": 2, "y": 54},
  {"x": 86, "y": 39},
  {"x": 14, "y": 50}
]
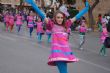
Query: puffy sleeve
[
  {"x": 68, "y": 23},
  {"x": 50, "y": 24}
]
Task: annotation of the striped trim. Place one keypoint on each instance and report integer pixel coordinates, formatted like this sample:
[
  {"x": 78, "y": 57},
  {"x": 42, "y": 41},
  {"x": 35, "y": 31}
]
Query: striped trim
[
  {"x": 63, "y": 59},
  {"x": 64, "y": 33},
  {"x": 60, "y": 51},
  {"x": 64, "y": 46}
]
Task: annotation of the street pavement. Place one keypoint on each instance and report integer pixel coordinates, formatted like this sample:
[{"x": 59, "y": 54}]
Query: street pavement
[{"x": 22, "y": 54}]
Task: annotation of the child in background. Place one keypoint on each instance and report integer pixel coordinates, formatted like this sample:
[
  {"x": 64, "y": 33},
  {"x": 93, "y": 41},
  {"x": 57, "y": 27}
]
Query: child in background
[
  {"x": 19, "y": 22},
  {"x": 39, "y": 29},
  {"x": 7, "y": 20},
  {"x": 4, "y": 18},
  {"x": 82, "y": 28},
  {"x": 69, "y": 32},
  {"x": 11, "y": 21},
  {"x": 48, "y": 33},
  {"x": 30, "y": 19},
  {"x": 104, "y": 34}
]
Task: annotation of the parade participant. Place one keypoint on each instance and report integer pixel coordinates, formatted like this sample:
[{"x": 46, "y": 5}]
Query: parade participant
[
  {"x": 61, "y": 54},
  {"x": 39, "y": 29},
  {"x": 69, "y": 32},
  {"x": 11, "y": 21},
  {"x": 6, "y": 18},
  {"x": 30, "y": 19},
  {"x": 104, "y": 34},
  {"x": 82, "y": 28},
  {"x": 48, "y": 32},
  {"x": 99, "y": 22},
  {"x": 19, "y": 22}
]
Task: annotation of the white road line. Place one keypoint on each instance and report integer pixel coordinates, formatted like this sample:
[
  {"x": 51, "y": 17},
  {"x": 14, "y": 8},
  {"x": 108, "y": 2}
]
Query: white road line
[
  {"x": 96, "y": 65},
  {"x": 7, "y": 38},
  {"x": 85, "y": 61}
]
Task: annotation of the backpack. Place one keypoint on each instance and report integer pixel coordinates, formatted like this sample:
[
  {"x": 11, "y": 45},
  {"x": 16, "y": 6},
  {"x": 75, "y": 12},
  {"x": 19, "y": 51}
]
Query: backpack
[{"x": 107, "y": 42}]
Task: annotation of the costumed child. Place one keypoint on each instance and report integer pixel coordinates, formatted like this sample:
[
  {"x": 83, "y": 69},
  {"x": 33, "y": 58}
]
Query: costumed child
[
  {"x": 6, "y": 18},
  {"x": 104, "y": 35},
  {"x": 11, "y": 21},
  {"x": 61, "y": 54},
  {"x": 19, "y": 21},
  {"x": 82, "y": 28},
  {"x": 99, "y": 22},
  {"x": 48, "y": 33},
  {"x": 39, "y": 29},
  {"x": 30, "y": 19}
]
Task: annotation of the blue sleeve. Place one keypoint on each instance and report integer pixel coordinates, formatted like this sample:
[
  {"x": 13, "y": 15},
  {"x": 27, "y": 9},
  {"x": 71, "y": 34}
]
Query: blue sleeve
[
  {"x": 82, "y": 12},
  {"x": 39, "y": 12}
]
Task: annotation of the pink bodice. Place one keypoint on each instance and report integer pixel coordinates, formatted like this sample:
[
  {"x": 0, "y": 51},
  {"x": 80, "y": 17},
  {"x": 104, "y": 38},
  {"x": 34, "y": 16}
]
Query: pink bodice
[
  {"x": 39, "y": 27},
  {"x": 82, "y": 29},
  {"x": 19, "y": 20}
]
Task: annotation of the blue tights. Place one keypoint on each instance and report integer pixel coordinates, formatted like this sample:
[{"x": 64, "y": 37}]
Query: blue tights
[
  {"x": 49, "y": 37},
  {"x": 39, "y": 37},
  {"x": 62, "y": 66},
  {"x": 30, "y": 31}
]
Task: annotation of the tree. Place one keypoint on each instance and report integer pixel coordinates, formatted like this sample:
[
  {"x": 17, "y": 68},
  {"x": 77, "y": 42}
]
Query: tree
[
  {"x": 71, "y": 1},
  {"x": 90, "y": 13},
  {"x": 21, "y": 1}
]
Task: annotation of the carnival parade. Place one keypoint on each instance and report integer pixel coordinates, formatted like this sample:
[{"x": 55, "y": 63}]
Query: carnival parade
[{"x": 54, "y": 36}]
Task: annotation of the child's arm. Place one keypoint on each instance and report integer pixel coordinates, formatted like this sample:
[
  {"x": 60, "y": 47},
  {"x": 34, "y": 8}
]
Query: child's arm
[
  {"x": 39, "y": 12},
  {"x": 82, "y": 12},
  {"x": 77, "y": 28}
]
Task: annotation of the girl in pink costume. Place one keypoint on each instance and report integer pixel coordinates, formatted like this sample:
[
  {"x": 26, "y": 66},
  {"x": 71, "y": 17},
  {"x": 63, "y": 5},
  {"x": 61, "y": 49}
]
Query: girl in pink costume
[
  {"x": 82, "y": 28},
  {"x": 11, "y": 21},
  {"x": 19, "y": 22},
  {"x": 7, "y": 21},
  {"x": 48, "y": 33},
  {"x": 61, "y": 54},
  {"x": 104, "y": 34},
  {"x": 69, "y": 32},
  {"x": 39, "y": 29},
  {"x": 30, "y": 19},
  {"x": 4, "y": 18}
]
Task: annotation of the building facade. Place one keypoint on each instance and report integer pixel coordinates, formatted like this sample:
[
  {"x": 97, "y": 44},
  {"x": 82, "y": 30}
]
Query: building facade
[{"x": 12, "y": 2}]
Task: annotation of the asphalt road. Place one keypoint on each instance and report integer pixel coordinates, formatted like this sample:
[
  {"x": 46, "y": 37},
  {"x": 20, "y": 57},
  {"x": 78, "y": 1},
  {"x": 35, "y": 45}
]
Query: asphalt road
[{"x": 22, "y": 54}]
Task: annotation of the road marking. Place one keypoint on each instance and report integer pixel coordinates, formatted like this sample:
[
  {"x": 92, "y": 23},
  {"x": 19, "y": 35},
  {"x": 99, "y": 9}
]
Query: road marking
[
  {"x": 99, "y": 66},
  {"x": 85, "y": 61},
  {"x": 7, "y": 37}
]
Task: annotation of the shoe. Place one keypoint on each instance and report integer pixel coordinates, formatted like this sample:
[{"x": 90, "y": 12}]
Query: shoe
[
  {"x": 104, "y": 55},
  {"x": 81, "y": 48},
  {"x": 100, "y": 53}
]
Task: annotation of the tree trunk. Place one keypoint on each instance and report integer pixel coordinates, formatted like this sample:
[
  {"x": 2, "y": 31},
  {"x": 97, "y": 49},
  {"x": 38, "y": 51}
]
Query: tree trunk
[
  {"x": 90, "y": 14},
  {"x": 91, "y": 19},
  {"x": 42, "y": 3}
]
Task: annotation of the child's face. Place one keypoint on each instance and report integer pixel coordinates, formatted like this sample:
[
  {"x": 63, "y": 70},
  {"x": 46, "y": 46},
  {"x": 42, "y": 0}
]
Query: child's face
[
  {"x": 59, "y": 18},
  {"x": 39, "y": 19},
  {"x": 31, "y": 13},
  {"x": 83, "y": 24}
]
